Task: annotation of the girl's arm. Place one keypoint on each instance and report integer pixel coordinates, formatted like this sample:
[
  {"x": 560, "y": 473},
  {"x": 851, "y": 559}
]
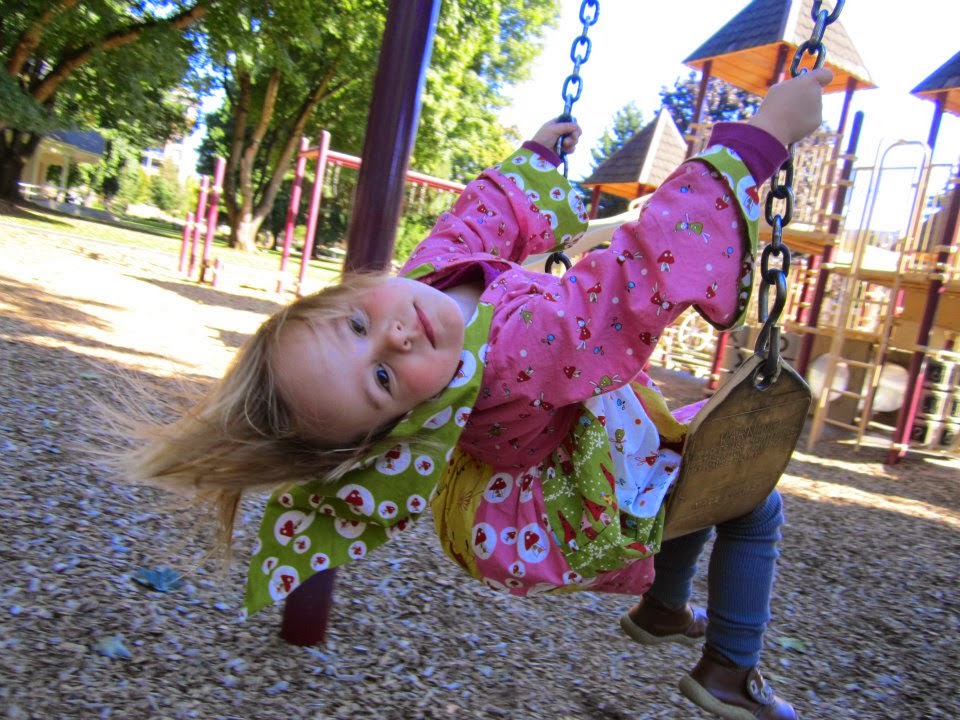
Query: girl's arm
[
  {"x": 520, "y": 207},
  {"x": 694, "y": 244}
]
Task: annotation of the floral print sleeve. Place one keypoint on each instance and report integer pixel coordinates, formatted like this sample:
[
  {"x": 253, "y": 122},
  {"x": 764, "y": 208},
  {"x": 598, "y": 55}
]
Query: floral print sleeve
[
  {"x": 561, "y": 341},
  {"x": 520, "y": 207}
]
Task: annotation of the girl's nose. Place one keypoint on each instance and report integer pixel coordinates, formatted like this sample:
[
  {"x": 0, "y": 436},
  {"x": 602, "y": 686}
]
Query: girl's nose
[{"x": 399, "y": 336}]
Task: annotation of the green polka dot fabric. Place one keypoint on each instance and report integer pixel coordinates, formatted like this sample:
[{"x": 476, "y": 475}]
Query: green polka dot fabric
[
  {"x": 316, "y": 526},
  {"x": 727, "y": 164}
]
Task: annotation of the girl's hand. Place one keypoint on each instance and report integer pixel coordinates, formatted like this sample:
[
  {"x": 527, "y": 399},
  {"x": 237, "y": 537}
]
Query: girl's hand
[
  {"x": 793, "y": 108},
  {"x": 553, "y": 130}
]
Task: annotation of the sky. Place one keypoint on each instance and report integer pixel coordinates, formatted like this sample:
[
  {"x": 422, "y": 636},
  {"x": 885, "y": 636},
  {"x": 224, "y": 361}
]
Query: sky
[{"x": 639, "y": 45}]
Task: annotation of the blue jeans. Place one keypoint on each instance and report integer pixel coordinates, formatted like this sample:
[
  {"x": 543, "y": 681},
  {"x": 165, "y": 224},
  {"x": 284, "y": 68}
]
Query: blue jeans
[{"x": 740, "y": 579}]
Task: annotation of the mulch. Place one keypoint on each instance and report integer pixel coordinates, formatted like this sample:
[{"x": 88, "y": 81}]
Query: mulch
[{"x": 865, "y": 617}]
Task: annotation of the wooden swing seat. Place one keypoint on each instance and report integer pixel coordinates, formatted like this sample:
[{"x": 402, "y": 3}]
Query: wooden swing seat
[{"x": 737, "y": 448}]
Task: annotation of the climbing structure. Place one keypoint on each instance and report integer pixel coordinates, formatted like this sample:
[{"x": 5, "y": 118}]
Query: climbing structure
[{"x": 871, "y": 315}]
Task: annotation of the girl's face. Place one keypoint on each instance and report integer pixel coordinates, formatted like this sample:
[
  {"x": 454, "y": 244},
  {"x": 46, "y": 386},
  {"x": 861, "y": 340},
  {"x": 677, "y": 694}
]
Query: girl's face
[{"x": 398, "y": 346}]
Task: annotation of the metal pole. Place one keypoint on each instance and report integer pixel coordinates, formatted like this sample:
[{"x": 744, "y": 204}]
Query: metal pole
[
  {"x": 840, "y": 199},
  {"x": 185, "y": 242},
  {"x": 314, "y": 212},
  {"x": 394, "y": 111},
  {"x": 212, "y": 213},
  {"x": 292, "y": 209},
  {"x": 391, "y": 129},
  {"x": 201, "y": 211}
]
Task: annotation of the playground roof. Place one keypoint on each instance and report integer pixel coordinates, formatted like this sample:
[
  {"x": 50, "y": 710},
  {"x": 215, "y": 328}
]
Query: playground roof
[
  {"x": 644, "y": 161},
  {"x": 744, "y": 51},
  {"x": 86, "y": 142},
  {"x": 945, "y": 81}
]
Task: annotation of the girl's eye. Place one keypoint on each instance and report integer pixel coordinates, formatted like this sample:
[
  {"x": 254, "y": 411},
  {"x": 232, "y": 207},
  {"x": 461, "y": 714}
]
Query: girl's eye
[
  {"x": 383, "y": 378},
  {"x": 356, "y": 324}
]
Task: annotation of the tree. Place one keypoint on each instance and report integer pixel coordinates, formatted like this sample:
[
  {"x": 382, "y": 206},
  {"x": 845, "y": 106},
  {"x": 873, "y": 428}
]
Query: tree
[
  {"x": 98, "y": 63},
  {"x": 724, "y": 102},
  {"x": 280, "y": 85},
  {"x": 627, "y": 122},
  {"x": 283, "y": 68}
]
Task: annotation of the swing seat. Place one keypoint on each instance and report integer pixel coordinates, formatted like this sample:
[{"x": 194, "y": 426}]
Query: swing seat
[{"x": 737, "y": 448}]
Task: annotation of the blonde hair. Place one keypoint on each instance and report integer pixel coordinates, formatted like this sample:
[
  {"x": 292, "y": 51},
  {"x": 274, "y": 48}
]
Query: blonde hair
[{"x": 242, "y": 434}]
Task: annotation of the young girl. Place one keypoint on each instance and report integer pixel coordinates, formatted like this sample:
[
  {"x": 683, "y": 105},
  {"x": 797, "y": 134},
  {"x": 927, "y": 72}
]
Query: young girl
[{"x": 512, "y": 402}]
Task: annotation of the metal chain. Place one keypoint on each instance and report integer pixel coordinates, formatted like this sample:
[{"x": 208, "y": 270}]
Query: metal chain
[
  {"x": 572, "y": 89},
  {"x": 768, "y": 341}
]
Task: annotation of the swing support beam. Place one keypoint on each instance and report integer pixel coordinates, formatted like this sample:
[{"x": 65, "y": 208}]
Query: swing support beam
[{"x": 391, "y": 129}]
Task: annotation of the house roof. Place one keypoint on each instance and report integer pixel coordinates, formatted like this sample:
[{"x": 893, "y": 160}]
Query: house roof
[
  {"x": 88, "y": 142},
  {"x": 744, "y": 51},
  {"x": 945, "y": 82},
  {"x": 644, "y": 161}
]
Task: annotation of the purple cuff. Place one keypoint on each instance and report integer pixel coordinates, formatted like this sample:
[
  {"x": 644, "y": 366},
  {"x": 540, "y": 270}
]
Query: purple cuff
[
  {"x": 760, "y": 151},
  {"x": 546, "y": 153}
]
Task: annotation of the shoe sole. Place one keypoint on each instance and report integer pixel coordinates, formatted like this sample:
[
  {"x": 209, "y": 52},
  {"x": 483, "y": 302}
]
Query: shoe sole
[
  {"x": 639, "y": 635},
  {"x": 698, "y": 695}
]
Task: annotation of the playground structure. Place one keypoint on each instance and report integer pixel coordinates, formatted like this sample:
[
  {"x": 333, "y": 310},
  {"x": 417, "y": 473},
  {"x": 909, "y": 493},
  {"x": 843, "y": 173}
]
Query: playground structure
[{"x": 872, "y": 316}]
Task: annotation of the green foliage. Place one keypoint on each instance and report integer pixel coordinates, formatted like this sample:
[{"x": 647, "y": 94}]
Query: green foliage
[
  {"x": 166, "y": 192},
  {"x": 420, "y": 212},
  {"x": 134, "y": 187},
  {"x": 724, "y": 102},
  {"x": 20, "y": 110},
  {"x": 480, "y": 49},
  {"x": 627, "y": 122},
  {"x": 106, "y": 65}
]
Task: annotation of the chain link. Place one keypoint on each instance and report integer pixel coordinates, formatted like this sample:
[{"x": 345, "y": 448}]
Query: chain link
[
  {"x": 572, "y": 89},
  {"x": 768, "y": 340}
]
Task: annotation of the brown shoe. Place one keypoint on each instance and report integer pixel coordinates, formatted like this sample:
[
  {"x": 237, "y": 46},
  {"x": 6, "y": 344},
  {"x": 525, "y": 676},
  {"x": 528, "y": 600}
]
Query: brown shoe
[
  {"x": 650, "y": 622},
  {"x": 731, "y": 691}
]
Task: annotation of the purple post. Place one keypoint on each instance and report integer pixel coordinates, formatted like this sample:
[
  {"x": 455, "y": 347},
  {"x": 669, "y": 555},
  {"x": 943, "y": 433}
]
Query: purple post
[
  {"x": 391, "y": 129},
  {"x": 212, "y": 213},
  {"x": 185, "y": 243},
  {"x": 392, "y": 124},
  {"x": 292, "y": 209},
  {"x": 201, "y": 210},
  {"x": 314, "y": 212}
]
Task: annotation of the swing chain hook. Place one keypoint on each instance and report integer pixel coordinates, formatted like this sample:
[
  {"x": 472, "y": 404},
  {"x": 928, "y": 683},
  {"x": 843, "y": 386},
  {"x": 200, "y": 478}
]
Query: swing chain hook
[
  {"x": 768, "y": 340},
  {"x": 572, "y": 89}
]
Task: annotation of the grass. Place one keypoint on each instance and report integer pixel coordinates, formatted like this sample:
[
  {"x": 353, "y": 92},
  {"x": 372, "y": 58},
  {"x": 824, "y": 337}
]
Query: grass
[{"x": 147, "y": 234}]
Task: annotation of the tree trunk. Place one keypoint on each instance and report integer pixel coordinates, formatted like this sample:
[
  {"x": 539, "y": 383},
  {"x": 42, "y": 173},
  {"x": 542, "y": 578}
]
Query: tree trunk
[
  {"x": 245, "y": 237},
  {"x": 15, "y": 148}
]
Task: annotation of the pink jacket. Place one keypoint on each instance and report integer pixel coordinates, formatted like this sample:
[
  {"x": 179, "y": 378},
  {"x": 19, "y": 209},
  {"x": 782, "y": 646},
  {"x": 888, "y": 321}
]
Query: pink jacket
[{"x": 532, "y": 503}]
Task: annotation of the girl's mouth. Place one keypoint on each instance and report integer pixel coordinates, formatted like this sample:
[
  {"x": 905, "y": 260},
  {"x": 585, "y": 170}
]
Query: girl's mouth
[{"x": 427, "y": 327}]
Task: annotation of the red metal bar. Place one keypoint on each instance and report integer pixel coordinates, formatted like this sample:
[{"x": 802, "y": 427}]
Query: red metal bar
[
  {"x": 313, "y": 213},
  {"x": 595, "y": 202},
  {"x": 201, "y": 211},
  {"x": 911, "y": 400},
  {"x": 292, "y": 209},
  {"x": 185, "y": 242},
  {"x": 394, "y": 110},
  {"x": 213, "y": 212},
  {"x": 416, "y": 178},
  {"x": 839, "y": 200},
  {"x": 806, "y": 290}
]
